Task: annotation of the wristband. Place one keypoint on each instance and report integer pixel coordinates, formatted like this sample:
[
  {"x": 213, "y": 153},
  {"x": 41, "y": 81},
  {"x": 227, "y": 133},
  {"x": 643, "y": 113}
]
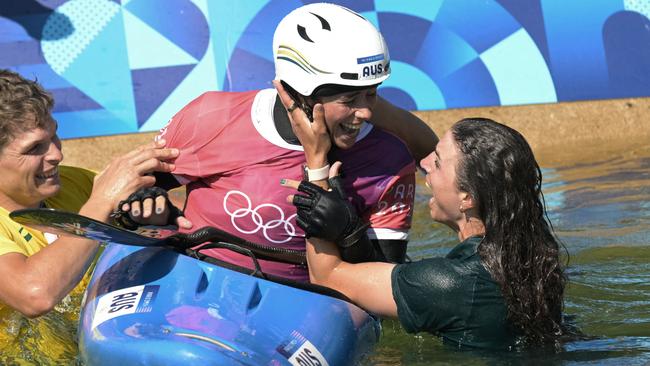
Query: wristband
[{"x": 316, "y": 174}]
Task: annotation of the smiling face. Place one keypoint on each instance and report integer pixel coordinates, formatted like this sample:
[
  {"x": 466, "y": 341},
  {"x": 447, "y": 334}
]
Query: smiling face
[
  {"x": 440, "y": 167},
  {"x": 29, "y": 165},
  {"x": 346, "y": 113}
]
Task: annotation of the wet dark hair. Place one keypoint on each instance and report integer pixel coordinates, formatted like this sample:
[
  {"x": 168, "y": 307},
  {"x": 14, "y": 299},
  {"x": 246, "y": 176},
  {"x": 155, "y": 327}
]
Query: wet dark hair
[
  {"x": 520, "y": 250},
  {"x": 24, "y": 105}
]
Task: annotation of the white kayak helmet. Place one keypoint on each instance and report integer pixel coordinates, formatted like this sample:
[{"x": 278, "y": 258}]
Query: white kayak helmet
[{"x": 327, "y": 44}]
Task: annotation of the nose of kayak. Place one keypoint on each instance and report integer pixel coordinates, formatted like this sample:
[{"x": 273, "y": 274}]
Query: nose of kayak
[{"x": 156, "y": 306}]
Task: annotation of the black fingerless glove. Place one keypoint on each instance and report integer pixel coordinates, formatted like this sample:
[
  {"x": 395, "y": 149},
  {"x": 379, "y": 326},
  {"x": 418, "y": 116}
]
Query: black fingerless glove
[
  {"x": 121, "y": 218},
  {"x": 329, "y": 215}
]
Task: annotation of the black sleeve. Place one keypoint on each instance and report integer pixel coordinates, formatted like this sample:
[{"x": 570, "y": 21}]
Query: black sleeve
[
  {"x": 166, "y": 180},
  {"x": 393, "y": 251},
  {"x": 364, "y": 250},
  {"x": 374, "y": 250}
]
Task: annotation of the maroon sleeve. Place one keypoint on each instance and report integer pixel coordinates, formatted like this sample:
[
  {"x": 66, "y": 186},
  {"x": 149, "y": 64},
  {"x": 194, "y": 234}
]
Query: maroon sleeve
[{"x": 391, "y": 217}]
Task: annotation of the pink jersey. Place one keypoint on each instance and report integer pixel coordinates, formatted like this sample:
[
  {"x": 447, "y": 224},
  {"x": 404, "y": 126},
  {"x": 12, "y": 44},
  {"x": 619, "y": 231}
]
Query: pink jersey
[{"x": 232, "y": 160}]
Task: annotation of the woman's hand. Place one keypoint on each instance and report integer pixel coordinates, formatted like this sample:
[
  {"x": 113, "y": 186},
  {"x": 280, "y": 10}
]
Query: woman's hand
[
  {"x": 149, "y": 206},
  {"x": 326, "y": 214},
  {"x": 313, "y": 136},
  {"x": 127, "y": 174}
]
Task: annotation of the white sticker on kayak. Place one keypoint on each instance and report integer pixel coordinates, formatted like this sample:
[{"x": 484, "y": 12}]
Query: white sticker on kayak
[
  {"x": 136, "y": 299},
  {"x": 307, "y": 355}
]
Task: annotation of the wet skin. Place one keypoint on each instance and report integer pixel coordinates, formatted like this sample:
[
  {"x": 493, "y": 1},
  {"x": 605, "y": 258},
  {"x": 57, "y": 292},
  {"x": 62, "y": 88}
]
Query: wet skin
[{"x": 440, "y": 168}]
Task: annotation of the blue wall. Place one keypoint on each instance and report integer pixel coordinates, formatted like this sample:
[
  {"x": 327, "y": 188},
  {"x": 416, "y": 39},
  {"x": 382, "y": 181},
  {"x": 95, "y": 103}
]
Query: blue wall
[{"x": 128, "y": 66}]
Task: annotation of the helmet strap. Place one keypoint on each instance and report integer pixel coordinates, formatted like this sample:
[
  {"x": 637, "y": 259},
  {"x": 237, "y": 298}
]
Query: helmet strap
[
  {"x": 307, "y": 106},
  {"x": 281, "y": 117},
  {"x": 303, "y": 101}
]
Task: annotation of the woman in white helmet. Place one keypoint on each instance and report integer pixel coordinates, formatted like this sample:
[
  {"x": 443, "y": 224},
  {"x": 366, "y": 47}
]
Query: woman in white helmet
[
  {"x": 329, "y": 60},
  {"x": 325, "y": 52}
]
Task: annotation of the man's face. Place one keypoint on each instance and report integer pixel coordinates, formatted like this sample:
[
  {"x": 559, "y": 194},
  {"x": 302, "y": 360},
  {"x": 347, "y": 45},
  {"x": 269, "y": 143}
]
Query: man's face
[{"x": 29, "y": 165}]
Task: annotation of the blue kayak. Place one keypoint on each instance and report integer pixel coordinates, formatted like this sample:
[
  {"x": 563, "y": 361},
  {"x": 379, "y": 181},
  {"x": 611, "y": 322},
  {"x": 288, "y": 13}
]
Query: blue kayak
[{"x": 155, "y": 306}]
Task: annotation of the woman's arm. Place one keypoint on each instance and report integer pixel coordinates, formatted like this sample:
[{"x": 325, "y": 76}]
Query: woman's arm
[
  {"x": 34, "y": 285},
  {"x": 416, "y": 134},
  {"x": 366, "y": 284}
]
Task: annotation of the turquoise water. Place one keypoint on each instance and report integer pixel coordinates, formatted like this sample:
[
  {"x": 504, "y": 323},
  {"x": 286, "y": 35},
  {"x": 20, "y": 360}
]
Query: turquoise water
[{"x": 601, "y": 211}]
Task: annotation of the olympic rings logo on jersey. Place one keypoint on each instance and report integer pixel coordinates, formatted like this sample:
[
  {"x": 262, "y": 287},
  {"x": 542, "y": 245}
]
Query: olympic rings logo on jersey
[{"x": 248, "y": 214}]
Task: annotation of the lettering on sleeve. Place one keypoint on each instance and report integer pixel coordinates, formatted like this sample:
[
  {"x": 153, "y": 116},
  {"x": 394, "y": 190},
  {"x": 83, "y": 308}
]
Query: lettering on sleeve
[{"x": 395, "y": 207}]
